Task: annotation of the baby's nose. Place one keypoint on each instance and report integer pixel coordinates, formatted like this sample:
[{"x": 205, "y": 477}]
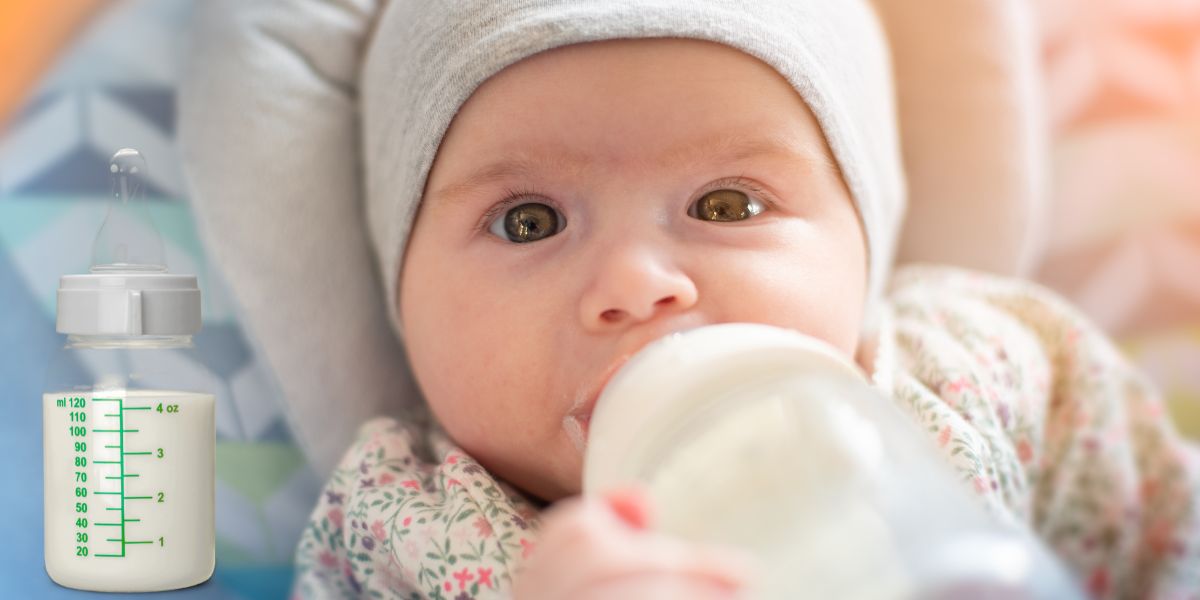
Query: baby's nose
[{"x": 635, "y": 285}]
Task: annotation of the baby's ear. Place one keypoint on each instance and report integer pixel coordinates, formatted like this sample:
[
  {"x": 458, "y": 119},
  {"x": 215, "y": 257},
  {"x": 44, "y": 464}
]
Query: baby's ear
[{"x": 973, "y": 133}]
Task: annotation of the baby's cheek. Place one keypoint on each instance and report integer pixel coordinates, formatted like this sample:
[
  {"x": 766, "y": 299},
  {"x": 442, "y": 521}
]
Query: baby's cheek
[{"x": 819, "y": 302}]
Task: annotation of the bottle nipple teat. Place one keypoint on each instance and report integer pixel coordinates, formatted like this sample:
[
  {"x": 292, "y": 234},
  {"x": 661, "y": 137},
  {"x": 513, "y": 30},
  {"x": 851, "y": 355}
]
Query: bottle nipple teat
[{"x": 127, "y": 241}]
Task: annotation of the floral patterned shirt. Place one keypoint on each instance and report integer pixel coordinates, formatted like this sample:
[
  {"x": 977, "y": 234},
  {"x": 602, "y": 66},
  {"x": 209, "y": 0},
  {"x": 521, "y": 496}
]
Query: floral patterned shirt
[{"x": 1031, "y": 404}]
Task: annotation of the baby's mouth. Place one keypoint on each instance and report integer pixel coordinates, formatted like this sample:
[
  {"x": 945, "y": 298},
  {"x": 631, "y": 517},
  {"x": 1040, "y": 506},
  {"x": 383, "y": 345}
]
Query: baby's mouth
[
  {"x": 577, "y": 421},
  {"x": 576, "y": 427}
]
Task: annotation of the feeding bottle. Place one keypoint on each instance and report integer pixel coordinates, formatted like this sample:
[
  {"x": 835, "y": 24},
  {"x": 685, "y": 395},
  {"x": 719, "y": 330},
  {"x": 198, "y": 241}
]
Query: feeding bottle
[
  {"x": 128, "y": 438},
  {"x": 766, "y": 439}
]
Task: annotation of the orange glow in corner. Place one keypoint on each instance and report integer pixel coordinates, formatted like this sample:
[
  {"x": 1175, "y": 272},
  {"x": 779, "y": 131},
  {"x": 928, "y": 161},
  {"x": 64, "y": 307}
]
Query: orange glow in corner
[{"x": 32, "y": 32}]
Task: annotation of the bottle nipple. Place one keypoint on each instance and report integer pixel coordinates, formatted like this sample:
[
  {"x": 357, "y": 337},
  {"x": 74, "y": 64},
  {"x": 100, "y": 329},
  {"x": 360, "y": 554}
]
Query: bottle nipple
[{"x": 128, "y": 241}]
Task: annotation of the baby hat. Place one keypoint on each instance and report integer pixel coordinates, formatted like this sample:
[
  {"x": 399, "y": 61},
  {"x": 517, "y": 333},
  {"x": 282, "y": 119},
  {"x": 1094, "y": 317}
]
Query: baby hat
[
  {"x": 308, "y": 128},
  {"x": 426, "y": 59}
]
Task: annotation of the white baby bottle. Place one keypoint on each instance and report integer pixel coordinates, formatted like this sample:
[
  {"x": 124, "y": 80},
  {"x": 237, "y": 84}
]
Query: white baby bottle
[
  {"x": 765, "y": 439},
  {"x": 128, "y": 449}
]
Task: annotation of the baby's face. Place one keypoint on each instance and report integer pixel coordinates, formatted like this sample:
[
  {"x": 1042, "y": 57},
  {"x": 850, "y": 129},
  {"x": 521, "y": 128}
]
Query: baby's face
[{"x": 593, "y": 198}]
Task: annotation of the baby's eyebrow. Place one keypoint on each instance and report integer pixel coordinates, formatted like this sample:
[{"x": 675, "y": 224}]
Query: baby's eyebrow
[
  {"x": 516, "y": 165},
  {"x": 568, "y": 162}
]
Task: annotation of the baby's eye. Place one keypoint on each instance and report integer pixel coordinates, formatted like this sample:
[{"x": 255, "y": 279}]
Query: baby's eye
[
  {"x": 725, "y": 205},
  {"x": 527, "y": 222}
]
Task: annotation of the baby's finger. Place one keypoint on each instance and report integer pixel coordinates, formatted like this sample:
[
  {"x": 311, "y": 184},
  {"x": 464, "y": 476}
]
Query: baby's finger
[
  {"x": 721, "y": 566},
  {"x": 588, "y": 543},
  {"x": 659, "y": 586},
  {"x": 632, "y": 505}
]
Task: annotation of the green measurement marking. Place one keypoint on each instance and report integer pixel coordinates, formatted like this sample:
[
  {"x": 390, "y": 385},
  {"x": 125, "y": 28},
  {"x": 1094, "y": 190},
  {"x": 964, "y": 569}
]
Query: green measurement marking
[
  {"x": 120, "y": 446},
  {"x": 121, "y": 441}
]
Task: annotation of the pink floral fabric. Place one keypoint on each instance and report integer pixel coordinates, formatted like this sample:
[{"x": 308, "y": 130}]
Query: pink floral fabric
[
  {"x": 1033, "y": 406},
  {"x": 392, "y": 523},
  {"x": 1045, "y": 419}
]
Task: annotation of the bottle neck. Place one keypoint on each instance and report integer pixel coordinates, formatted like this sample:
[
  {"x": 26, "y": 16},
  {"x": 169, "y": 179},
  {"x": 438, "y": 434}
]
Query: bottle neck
[{"x": 129, "y": 341}]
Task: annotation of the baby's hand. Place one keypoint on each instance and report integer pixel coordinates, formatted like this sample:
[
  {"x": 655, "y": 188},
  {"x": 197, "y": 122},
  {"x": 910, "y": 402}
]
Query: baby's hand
[{"x": 592, "y": 548}]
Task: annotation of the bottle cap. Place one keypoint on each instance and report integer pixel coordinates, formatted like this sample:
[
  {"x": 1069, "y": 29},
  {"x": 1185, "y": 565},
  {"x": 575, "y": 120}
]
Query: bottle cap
[{"x": 128, "y": 291}]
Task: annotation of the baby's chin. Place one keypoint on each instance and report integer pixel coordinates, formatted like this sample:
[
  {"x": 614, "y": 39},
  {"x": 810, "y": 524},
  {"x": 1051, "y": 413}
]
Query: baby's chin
[
  {"x": 552, "y": 489},
  {"x": 550, "y": 474}
]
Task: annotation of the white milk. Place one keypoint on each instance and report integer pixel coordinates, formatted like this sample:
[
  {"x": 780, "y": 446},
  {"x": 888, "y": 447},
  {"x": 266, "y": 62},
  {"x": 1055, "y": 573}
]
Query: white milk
[{"x": 129, "y": 487}]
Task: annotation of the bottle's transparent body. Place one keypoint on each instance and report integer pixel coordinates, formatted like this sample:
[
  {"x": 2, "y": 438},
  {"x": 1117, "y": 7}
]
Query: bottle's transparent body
[
  {"x": 766, "y": 440},
  {"x": 128, "y": 465}
]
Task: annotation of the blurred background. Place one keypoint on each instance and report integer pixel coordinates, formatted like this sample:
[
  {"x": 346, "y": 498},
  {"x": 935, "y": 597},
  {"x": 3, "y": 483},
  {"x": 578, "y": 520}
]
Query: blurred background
[
  {"x": 1121, "y": 87},
  {"x": 109, "y": 82}
]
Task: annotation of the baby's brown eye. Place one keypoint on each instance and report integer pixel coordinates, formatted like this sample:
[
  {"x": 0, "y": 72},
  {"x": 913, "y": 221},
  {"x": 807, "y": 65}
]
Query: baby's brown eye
[
  {"x": 527, "y": 223},
  {"x": 725, "y": 205}
]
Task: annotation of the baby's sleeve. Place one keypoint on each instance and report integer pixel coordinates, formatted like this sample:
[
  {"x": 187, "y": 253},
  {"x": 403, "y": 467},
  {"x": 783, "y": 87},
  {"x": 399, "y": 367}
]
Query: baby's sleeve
[
  {"x": 1048, "y": 422},
  {"x": 402, "y": 520}
]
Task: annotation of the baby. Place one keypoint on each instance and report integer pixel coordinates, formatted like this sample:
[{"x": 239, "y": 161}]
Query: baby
[{"x": 613, "y": 172}]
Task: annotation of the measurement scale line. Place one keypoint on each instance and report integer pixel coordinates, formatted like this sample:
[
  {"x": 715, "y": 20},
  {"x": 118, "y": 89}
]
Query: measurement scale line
[
  {"x": 136, "y": 497},
  {"x": 112, "y": 508},
  {"x": 115, "y": 431},
  {"x": 112, "y": 493},
  {"x": 106, "y": 399},
  {"x": 109, "y": 555},
  {"x": 146, "y": 542},
  {"x": 107, "y": 462},
  {"x": 134, "y": 453},
  {"x": 109, "y": 415},
  {"x": 132, "y": 521},
  {"x": 136, "y": 408},
  {"x": 132, "y": 475},
  {"x": 107, "y": 524},
  {"x": 113, "y": 540},
  {"x": 121, "y": 438}
]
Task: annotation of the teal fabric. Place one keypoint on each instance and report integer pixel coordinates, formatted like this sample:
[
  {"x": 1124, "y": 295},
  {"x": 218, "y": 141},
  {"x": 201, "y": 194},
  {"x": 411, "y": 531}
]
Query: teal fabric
[{"x": 115, "y": 87}]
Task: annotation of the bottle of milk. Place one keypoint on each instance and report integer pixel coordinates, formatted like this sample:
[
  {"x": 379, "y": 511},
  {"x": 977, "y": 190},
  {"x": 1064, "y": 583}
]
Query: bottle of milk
[
  {"x": 128, "y": 447},
  {"x": 765, "y": 439}
]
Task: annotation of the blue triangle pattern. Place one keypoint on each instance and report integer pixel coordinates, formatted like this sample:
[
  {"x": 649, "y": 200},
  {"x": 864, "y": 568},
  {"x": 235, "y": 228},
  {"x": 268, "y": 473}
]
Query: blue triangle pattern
[
  {"x": 82, "y": 172},
  {"x": 224, "y": 349},
  {"x": 155, "y": 105}
]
